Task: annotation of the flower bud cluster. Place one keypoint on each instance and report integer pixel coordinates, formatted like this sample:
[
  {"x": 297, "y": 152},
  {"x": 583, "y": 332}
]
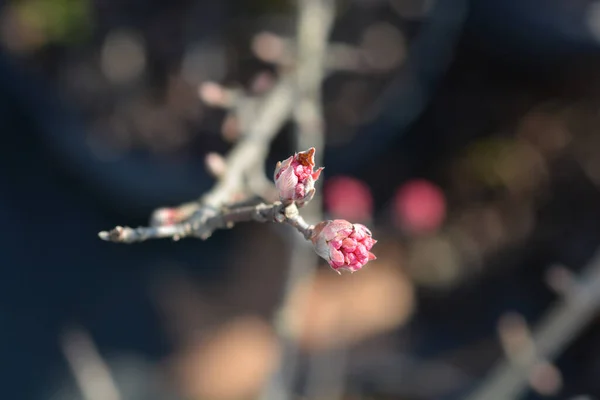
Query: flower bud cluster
[{"x": 345, "y": 246}]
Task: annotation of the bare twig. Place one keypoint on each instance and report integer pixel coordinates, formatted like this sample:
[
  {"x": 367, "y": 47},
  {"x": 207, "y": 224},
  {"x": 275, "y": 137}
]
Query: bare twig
[
  {"x": 245, "y": 172},
  {"x": 314, "y": 61},
  {"x": 204, "y": 227},
  {"x": 91, "y": 372},
  {"x": 254, "y": 146},
  {"x": 243, "y": 163},
  {"x": 339, "y": 56},
  {"x": 297, "y": 94},
  {"x": 557, "y": 329}
]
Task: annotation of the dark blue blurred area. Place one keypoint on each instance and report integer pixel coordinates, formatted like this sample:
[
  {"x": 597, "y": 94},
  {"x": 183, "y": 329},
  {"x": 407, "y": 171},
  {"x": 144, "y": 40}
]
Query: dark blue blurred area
[{"x": 54, "y": 271}]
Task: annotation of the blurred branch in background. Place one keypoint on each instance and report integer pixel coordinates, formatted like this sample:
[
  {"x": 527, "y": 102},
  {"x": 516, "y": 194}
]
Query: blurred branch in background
[
  {"x": 297, "y": 94},
  {"x": 315, "y": 19},
  {"x": 92, "y": 374},
  {"x": 528, "y": 361}
]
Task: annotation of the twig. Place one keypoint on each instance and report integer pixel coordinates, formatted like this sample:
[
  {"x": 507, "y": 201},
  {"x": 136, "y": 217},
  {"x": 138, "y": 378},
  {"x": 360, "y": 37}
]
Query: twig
[
  {"x": 339, "y": 56},
  {"x": 91, "y": 372},
  {"x": 244, "y": 172},
  {"x": 297, "y": 94},
  {"x": 314, "y": 55},
  {"x": 243, "y": 163},
  {"x": 254, "y": 146},
  {"x": 557, "y": 329},
  {"x": 204, "y": 227}
]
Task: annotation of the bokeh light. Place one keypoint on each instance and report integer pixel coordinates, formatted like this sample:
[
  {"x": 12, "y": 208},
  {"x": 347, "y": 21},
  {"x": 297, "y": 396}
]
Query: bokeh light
[
  {"x": 348, "y": 198},
  {"x": 231, "y": 362},
  {"x": 123, "y": 56},
  {"x": 419, "y": 207}
]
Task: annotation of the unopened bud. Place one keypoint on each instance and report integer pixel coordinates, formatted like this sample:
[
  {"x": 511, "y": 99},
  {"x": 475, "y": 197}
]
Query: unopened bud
[
  {"x": 343, "y": 245},
  {"x": 295, "y": 178}
]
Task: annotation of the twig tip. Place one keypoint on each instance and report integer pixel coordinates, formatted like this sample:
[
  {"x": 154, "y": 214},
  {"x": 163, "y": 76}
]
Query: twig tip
[{"x": 118, "y": 234}]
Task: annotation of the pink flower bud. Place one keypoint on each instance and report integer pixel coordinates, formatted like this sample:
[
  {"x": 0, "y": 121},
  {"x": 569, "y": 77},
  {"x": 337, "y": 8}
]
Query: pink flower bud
[
  {"x": 343, "y": 245},
  {"x": 295, "y": 178}
]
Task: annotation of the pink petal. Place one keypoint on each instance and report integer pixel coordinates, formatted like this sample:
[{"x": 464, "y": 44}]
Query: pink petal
[
  {"x": 362, "y": 259},
  {"x": 349, "y": 244},
  {"x": 336, "y": 243},
  {"x": 317, "y": 173},
  {"x": 350, "y": 258},
  {"x": 336, "y": 264},
  {"x": 360, "y": 232},
  {"x": 301, "y": 172},
  {"x": 337, "y": 227},
  {"x": 361, "y": 249},
  {"x": 336, "y": 256},
  {"x": 354, "y": 268},
  {"x": 299, "y": 192},
  {"x": 282, "y": 165},
  {"x": 368, "y": 242},
  {"x": 286, "y": 184}
]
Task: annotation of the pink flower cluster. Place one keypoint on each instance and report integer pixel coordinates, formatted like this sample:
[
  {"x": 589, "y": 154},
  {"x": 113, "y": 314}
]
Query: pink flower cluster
[
  {"x": 344, "y": 245},
  {"x": 295, "y": 178}
]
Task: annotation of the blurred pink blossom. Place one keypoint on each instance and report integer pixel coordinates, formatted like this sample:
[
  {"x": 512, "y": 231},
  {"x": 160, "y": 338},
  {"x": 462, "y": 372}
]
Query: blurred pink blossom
[
  {"x": 295, "y": 178},
  {"x": 348, "y": 198},
  {"x": 344, "y": 245},
  {"x": 419, "y": 206}
]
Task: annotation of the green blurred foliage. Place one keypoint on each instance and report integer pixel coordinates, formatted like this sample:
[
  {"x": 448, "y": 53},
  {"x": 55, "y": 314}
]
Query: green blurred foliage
[
  {"x": 498, "y": 161},
  {"x": 59, "y": 21}
]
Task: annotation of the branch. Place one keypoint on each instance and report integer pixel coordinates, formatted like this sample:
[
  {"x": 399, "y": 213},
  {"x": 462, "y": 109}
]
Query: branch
[
  {"x": 202, "y": 226},
  {"x": 297, "y": 94},
  {"x": 92, "y": 374},
  {"x": 315, "y": 19},
  {"x": 558, "y": 328},
  {"x": 254, "y": 146},
  {"x": 339, "y": 56},
  {"x": 243, "y": 168}
]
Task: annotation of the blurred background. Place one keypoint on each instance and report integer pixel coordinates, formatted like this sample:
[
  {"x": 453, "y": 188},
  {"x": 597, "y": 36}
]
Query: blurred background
[{"x": 465, "y": 133}]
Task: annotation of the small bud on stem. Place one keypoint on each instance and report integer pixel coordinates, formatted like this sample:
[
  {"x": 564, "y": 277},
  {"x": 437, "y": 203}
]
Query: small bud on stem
[
  {"x": 295, "y": 178},
  {"x": 343, "y": 245}
]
